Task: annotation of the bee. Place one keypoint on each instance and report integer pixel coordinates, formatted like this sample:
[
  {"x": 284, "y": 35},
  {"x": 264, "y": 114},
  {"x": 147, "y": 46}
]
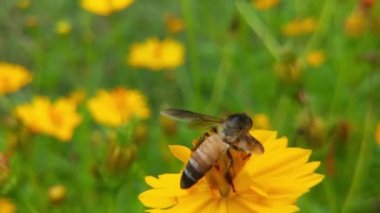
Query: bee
[{"x": 224, "y": 135}]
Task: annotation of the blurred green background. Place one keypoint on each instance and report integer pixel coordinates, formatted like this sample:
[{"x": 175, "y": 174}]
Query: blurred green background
[{"x": 238, "y": 58}]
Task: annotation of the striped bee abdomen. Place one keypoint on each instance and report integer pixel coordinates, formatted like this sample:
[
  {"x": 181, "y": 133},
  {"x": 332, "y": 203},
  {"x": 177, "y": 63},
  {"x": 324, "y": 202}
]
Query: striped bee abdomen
[{"x": 202, "y": 159}]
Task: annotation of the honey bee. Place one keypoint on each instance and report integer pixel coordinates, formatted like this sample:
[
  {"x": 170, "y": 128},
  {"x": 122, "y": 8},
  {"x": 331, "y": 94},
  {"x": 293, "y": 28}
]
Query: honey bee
[{"x": 224, "y": 135}]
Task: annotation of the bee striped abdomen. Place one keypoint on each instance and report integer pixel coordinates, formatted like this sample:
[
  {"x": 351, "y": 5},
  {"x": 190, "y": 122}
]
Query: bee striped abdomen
[{"x": 202, "y": 159}]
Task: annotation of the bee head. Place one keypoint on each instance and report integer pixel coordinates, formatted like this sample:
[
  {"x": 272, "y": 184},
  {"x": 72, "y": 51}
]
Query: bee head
[
  {"x": 236, "y": 124},
  {"x": 239, "y": 122}
]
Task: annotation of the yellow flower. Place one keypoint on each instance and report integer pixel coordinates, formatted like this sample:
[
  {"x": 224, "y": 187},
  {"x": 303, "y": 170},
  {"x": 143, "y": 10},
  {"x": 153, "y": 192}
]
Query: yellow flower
[
  {"x": 77, "y": 96},
  {"x": 105, "y": 7},
  {"x": 119, "y": 158},
  {"x": 6, "y": 206},
  {"x": 57, "y": 194},
  {"x": 261, "y": 121},
  {"x": 63, "y": 27},
  {"x": 31, "y": 21},
  {"x": 299, "y": 27},
  {"x": 264, "y": 4},
  {"x": 13, "y": 77},
  {"x": 4, "y": 169},
  {"x": 356, "y": 24},
  {"x": 118, "y": 106},
  {"x": 288, "y": 69},
  {"x": 174, "y": 24},
  {"x": 57, "y": 119},
  {"x": 271, "y": 182},
  {"x": 377, "y": 133},
  {"x": 316, "y": 58},
  {"x": 155, "y": 55},
  {"x": 23, "y": 4},
  {"x": 312, "y": 128}
]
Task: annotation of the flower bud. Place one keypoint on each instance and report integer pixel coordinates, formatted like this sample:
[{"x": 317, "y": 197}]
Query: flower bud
[{"x": 57, "y": 194}]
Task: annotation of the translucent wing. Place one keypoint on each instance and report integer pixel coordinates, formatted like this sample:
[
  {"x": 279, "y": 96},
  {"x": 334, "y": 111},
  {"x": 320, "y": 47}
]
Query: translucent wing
[
  {"x": 255, "y": 146},
  {"x": 194, "y": 119}
]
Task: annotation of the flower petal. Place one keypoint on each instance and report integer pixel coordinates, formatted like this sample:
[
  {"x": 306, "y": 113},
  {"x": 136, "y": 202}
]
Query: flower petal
[
  {"x": 152, "y": 181},
  {"x": 156, "y": 199},
  {"x": 263, "y": 135},
  {"x": 180, "y": 152},
  {"x": 278, "y": 162},
  {"x": 202, "y": 201}
]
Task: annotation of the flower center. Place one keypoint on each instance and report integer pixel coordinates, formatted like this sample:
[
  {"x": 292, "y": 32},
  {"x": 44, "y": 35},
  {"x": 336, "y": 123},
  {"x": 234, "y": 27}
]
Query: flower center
[
  {"x": 56, "y": 117},
  {"x": 221, "y": 176}
]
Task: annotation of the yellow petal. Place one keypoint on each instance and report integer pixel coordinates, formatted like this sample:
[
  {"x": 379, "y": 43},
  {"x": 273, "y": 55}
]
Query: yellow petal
[
  {"x": 238, "y": 204},
  {"x": 221, "y": 206},
  {"x": 264, "y": 135},
  {"x": 244, "y": 181},
  {"x": 153, "y": 182},
  {"x": 282, "y": 209},
  {"x": 278, "y": 161},
  {"x": 156, "y": 199},
  {"x": 195, "y": 203},
  {"x": 182, "y": 153},
  {"x": 311, "y": 180},
  {"x": 305, "y": 169}
]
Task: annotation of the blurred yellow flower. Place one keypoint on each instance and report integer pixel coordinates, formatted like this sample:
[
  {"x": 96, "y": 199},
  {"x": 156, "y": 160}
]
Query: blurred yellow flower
[
  {"x": 288, "y": 68},
  {"x": 31, "y": 21},
  {"x": 155, "y": 55},
  {"x": 271, "y": 182},
  {"x": 174, "y": 24},
  {"x": 120, "y": 158},
  {"x": 57, "y": 194},
  {"x": 63, "y": 27},
  {"x": 261, "y": 121},
  {"x": 264, "y": 4},
  {"x": 316, "y": 58},
  {"x": 77, "y": 96},
  {"x": 118, "y": 106},
  {"x": 105, "y": 7},
  {"x": 13, "y": 77},
  {"x": 355, "y": 24},
  {"x": 6, "y": 206},
  {"x": 57, "y": 119},
  {"x": 23, "y": 4},
  {"x": 4, "y": 169},
  {"x": 377, "y": 133},
  {"x": 299, "y": 27}
]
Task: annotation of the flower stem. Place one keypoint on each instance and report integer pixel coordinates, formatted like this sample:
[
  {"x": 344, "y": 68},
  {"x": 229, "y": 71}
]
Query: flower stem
[
  {"x": 330, "y": 194},
  {"x": 258, "y": 27},
  {"x": 194, "y": 63},
  {"x": 221, "y": 77},
  {"x": 361, "y": 164}
]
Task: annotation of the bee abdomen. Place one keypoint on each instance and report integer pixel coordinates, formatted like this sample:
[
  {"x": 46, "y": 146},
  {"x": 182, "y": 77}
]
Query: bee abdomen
[
  {"x": 190, "y": 175},
  {"x": 200, "y": 162}
]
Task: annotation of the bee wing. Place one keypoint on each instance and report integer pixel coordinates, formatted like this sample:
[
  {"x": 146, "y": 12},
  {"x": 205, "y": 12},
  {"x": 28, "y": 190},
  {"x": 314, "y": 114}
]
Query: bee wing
[
  {"x": 194, "y": 119},
  {"x": 256, "y": 146}
]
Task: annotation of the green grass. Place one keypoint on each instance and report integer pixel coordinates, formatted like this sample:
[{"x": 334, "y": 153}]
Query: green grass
[{"x": 225, "y": 71}]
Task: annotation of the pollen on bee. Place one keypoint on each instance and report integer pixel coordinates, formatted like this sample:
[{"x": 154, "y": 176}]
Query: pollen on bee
[{"x": 216, "y": 177}]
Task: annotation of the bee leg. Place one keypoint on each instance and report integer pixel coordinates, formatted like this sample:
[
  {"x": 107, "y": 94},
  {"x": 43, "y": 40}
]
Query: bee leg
[
  {"x": 236, "y": 148},
  {"x": 200, "y": 141},
  {"x": 214, "y": 130},
  {"x": 228, "y": 174},
  {"x": 247, "y": 156}
]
